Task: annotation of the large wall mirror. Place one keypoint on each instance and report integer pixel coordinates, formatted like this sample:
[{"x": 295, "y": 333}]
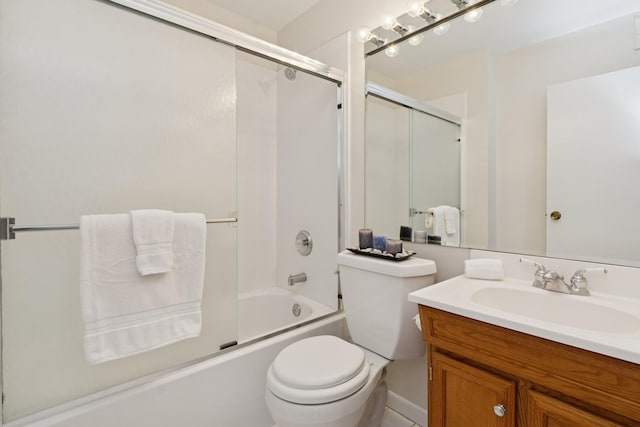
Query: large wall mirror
[{"x": 526, "y": 122}]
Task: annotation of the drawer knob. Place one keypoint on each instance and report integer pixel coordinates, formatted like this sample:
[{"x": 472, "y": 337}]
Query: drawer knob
[{"x": 499, "y": 410}]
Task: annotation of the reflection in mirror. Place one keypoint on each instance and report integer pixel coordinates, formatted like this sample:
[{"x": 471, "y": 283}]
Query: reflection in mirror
[
  {"x": 419, "y": 146},
  {"x": 549, "y": 109}
]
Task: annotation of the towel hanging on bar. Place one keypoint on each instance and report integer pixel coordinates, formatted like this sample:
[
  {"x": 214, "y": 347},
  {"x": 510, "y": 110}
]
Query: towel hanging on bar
[{"x": 8, "y": 229}]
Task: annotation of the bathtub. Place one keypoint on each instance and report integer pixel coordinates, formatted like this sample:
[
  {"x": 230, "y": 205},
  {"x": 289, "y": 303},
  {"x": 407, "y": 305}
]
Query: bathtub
[
  {"x": 267, "y": 311},
  {"x": 226, "y": 390}
]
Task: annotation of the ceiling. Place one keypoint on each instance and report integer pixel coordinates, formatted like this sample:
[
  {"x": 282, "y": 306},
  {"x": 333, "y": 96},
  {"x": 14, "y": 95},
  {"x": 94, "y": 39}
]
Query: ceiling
[{"x": 273, "y": 14}]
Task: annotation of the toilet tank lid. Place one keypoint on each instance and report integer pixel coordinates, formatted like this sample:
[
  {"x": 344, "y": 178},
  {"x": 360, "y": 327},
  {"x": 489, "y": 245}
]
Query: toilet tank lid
[{"x": 412, "y": 267}]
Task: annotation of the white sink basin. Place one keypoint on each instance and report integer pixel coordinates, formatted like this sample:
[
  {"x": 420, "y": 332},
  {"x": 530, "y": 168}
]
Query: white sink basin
[
  {"x": 569, "y": 310},
  {"x": 602, "y": 323}
]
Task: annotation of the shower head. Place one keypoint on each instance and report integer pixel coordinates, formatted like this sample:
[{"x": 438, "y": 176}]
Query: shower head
[{"x": 290, "y": 73}]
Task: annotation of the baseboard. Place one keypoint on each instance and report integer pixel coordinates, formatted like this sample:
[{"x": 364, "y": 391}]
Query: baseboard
[{"x": 407, "y": 409}]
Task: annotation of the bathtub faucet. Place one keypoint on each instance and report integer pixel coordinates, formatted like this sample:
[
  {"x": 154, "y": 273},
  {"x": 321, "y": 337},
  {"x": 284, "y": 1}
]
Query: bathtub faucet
[{"x": 297, "y": 278}]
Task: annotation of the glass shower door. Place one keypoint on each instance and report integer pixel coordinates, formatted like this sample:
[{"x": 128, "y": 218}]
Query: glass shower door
[{"x": 100, "y": 116}]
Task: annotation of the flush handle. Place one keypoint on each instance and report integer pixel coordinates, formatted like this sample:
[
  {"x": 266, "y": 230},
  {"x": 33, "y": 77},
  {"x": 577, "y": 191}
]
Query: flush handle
[{"x": 499, "y": 410}]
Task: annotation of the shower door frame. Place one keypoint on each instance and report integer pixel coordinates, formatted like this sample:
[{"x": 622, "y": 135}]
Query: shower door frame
[{"x": 253, "y": 45}]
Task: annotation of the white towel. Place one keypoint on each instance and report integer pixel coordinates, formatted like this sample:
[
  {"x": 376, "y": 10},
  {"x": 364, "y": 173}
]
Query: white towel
[
  {"x": 125, "y": 313},
  {"x": 451, "y": 225},
  {"x": 153, "y": 231},
  {"x": 486, "y": 269}
]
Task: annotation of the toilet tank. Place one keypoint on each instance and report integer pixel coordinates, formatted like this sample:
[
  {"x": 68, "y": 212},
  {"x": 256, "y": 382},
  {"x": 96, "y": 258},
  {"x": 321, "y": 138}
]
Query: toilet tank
[{"x": 375, "y": 300}]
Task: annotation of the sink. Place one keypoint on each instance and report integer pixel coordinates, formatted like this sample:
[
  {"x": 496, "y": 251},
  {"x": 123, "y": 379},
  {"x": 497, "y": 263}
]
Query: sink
[
  {"x": 603, "y": 323},
  {"x": 569, "y": 310}
]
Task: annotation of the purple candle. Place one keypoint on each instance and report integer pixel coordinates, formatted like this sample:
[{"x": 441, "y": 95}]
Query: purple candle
[
  {"x": 394, "y": 246},
  {"x": 365, "y": 238}
]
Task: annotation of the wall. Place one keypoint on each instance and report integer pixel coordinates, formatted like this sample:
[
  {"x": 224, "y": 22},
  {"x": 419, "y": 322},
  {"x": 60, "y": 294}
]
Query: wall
[{"x": 222, "y": 16}]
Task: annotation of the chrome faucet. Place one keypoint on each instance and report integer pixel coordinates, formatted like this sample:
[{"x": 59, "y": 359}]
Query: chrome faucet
[
  {"x": 297, "y": 278},
  {"x": 579, "y": 282},
  {"x": 538, "y": 282},
  {"x": 551, "y": 280}
]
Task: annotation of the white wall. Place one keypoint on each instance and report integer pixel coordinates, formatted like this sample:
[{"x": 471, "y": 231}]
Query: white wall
[{"x": 222, "y": 16}]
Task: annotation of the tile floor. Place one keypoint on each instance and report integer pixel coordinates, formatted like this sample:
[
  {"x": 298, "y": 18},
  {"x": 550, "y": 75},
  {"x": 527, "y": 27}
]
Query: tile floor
[{"x": 391, "y": 418}]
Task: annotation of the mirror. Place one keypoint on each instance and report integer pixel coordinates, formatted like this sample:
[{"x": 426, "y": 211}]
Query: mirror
[{"x": 547, "y": 98}]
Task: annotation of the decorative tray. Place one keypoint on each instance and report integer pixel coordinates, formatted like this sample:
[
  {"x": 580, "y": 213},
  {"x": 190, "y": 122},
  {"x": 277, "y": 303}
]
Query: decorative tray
[{"x": 384, "y": 255}]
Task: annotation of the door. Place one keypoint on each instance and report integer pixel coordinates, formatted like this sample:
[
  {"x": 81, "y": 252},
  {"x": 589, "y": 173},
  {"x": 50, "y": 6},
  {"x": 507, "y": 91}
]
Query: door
[
  {"x": 461, "y": 396},
  {"x": 593, "y": 166},
  {"x": 545, "y": 411}
]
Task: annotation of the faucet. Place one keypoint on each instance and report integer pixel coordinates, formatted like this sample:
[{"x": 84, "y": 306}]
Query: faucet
[
  {"x": 551, "y": 280},
  {"x": 579, "y": 282},
  {"x": 297, "y": 278},
  {"x": 538, "y": 282}
]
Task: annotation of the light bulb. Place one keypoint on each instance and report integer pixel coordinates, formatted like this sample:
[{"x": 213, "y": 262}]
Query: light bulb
[
  {"x": 508, "y": 2},
  {"x": 473, "y": 16},
  {"x": 417, "y": 39},
  {"x": 442, "y": 29},
  {"x": 415, "y": 8},
  {"x": 388, "y": 22},
  {"x": 392, "y": 51},
  {"x": 363, "y": 35}
]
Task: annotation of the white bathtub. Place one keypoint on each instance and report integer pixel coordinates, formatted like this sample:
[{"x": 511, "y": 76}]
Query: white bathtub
[
  {"x": 224, "y": 391},
  {"x": 269, "y": 310}
]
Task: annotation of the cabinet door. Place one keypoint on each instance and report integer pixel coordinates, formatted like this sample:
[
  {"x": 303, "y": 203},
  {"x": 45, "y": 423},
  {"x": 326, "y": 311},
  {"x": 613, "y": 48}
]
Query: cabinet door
[
  {"x": 463, "y": 396},
  {"x": 545, "y": 411}
]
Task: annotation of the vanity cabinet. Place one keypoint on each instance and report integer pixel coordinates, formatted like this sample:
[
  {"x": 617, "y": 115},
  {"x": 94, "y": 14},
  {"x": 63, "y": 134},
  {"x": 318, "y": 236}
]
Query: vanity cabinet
[{"x": 485, "y": 375}]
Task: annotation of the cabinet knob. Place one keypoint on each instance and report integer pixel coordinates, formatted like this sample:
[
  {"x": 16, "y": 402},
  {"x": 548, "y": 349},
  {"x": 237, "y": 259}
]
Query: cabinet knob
[{"x": 499, "y": 410}]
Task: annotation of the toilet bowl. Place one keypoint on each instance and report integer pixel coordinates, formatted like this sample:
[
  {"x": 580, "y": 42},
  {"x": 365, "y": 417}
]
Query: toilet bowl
[{"x": 325, "y": 381}]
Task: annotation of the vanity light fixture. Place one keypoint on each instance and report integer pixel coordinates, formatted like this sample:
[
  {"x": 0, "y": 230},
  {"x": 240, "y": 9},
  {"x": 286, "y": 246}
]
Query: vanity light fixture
[
  {"x": 508, "y": 2},
  {"x": 442, "y": 29},
  {"x": 472, "y": 16},
  {"x": 390, "y": 23},
  {"x": 417, "y": 9},
  {"x": 365, "y": 35}
]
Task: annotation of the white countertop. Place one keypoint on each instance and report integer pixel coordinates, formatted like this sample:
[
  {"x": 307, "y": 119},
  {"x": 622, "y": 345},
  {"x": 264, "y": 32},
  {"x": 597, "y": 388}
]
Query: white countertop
[{"x": 456, "y": 296}]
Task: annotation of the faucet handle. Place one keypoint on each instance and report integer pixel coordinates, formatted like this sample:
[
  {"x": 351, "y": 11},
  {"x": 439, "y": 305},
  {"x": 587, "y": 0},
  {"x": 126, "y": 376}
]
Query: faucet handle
[
  {"x": 579, "y": 282},
  {"x": 539, "y": 281},
  {"x": 536, "y": 264}
]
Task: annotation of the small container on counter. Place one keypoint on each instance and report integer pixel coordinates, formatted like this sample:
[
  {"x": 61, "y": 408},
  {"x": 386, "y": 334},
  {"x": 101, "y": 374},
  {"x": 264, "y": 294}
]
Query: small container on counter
[
  {"x": 365, "y": 238},
  {"x": 380, "y": 243},
  {"x": 420, "y": 236},
  {"x": 394, "y": 246},
  {"x": 405, "y": 233}
]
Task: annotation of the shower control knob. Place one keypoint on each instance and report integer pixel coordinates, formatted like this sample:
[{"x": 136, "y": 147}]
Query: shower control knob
[
  {"x": 499, "y": 410},
  {"x": 304, "y": 244}
]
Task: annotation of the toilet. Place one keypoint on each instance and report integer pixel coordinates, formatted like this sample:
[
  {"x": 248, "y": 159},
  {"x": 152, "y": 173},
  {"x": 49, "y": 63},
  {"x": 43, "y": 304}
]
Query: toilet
[{"x": 325, "y": 381}]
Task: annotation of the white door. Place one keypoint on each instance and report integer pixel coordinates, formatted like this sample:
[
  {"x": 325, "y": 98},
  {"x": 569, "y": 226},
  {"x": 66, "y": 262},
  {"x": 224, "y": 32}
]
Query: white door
[{"x": 593, "y": 166}]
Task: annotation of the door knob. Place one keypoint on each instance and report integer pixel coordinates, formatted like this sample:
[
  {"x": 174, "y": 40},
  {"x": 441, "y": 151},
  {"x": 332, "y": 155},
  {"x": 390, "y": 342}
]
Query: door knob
[
  {"x": 499, "y": 410},
  {"x": 555, "y": 215}
]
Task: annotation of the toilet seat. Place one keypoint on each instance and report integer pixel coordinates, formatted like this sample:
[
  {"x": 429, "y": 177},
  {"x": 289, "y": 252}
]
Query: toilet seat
[{"x": 318, "y": 370}]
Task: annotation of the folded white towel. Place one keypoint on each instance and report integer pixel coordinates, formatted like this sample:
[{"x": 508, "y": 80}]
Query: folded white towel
[
  {"x": 153, "y": 231},
  {"x": 451, "y": 219},
  {"x": 125, "y": 313},
  {"x": 486, "y": 269}
]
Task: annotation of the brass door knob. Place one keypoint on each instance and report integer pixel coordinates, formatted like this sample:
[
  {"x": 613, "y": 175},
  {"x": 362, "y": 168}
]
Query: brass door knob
[{"x": 555, "y": 215}]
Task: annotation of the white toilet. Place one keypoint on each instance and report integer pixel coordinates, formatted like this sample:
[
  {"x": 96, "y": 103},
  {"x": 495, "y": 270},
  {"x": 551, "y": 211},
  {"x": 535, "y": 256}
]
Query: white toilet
[{"x": 324, "y": 381}]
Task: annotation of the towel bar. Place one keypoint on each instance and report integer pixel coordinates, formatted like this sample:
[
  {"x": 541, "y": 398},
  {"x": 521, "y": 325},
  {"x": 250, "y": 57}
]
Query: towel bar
[{"x": 8, "y": 227}]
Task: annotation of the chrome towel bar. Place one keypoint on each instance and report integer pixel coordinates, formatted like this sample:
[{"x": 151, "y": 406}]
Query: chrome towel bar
[{"x": 8, "y": 227}]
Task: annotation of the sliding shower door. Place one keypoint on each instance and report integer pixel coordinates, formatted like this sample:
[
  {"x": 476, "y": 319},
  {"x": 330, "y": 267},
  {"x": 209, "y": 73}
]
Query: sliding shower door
[{"x": 104, "y": 111}]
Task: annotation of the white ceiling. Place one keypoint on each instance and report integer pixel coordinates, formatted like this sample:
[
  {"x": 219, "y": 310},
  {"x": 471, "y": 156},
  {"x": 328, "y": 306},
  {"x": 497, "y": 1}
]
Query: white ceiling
[{"x": 273, "y": 14}]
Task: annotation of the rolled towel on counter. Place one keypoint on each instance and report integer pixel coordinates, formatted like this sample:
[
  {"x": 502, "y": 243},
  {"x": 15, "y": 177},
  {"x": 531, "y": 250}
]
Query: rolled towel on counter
[{"x": 484, "y": 268}]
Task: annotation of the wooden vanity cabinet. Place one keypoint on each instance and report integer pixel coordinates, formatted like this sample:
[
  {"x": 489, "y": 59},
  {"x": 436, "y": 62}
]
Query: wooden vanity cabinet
[{"x": 485, "y": 375}]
